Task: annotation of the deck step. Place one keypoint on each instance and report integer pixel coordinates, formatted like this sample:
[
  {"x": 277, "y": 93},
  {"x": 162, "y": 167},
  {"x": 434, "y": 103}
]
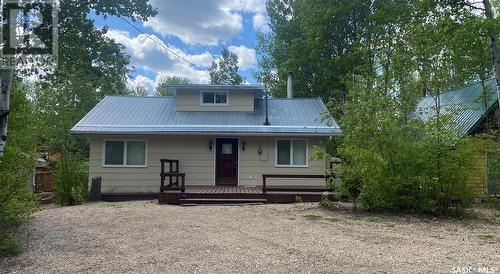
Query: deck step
[
  {"x": 219, "y": 201},
  {"x": 305, "y": 193}
]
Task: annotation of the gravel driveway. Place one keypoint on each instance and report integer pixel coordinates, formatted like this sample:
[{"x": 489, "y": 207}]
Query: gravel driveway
[{"x": 146, "y": 237}]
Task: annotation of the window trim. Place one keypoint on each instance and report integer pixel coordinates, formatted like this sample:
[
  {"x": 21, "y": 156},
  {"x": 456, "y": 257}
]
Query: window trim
[
  {"x": 125, "y": 152},
  {"x": 214, "y": 104},
  {"x": 291, "y": 152}
]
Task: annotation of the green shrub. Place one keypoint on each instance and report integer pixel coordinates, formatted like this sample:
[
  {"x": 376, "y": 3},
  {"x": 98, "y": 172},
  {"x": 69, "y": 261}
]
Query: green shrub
[
  {"x": 395, "y": 161},
  {"x": 326, "y": 203},
  {"x": 16, "y": 202},
  {"x": 71, "y": 181},
  {"x": 9, "y": 245}
]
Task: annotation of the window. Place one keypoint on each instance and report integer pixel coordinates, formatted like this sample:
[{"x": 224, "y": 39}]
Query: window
[
  {"x": 125, "y": 153},
  {"x": 291, "y": 153},
  {"x": 214, "y": 98}
]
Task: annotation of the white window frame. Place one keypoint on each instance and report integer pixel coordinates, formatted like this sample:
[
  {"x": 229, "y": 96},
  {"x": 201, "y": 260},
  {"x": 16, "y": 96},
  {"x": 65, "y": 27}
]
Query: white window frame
[
  {"x": 291, "y": 152},
  {"x": 215, "y": 93},
  {"x": 125, "y": 152}
]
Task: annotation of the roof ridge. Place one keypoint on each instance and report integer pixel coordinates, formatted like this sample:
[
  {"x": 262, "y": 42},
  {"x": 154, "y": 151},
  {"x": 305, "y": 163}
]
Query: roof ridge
[
  {"x": 284, "y": 99},
  {"x": 464, "y": 86},
  {"x": 141, "y": 96}
]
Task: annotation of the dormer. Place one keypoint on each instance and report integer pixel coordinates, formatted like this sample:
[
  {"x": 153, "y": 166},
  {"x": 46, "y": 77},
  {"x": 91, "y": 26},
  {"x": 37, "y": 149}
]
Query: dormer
[{"x": 216, "y": 97}]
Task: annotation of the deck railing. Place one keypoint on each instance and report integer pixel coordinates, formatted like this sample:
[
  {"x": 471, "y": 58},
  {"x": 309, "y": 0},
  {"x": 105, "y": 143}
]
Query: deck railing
[
  {"x": 171, "y": 174},
  {"x": 295, "y": 176}
]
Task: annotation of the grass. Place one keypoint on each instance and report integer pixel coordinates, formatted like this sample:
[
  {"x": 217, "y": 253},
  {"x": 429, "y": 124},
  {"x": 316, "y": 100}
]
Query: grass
[
  {"x": 486, "y": 237},
  {"x": 115, "y": 205},
  {"x": 333, "y": 219},
  {"x": 312, "y": 217}
]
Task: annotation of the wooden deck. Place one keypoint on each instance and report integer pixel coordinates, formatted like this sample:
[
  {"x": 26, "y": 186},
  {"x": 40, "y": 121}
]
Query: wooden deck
[
  {"x": 177, "y": 192},
  {"x": 239, "y": 194},
  {"x": 223, "y": 190}
]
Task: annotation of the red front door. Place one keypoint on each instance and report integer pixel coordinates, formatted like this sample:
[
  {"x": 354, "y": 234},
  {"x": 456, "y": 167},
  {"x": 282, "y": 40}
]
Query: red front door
[{"x": 226, "y": 162}]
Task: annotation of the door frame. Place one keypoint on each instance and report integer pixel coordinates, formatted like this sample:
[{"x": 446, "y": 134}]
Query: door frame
[{"x": 215, "y": 157}]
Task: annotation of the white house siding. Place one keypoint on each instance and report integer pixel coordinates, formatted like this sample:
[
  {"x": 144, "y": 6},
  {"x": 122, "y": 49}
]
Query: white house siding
[
  {"x": 197, "y": 161},
  {"x": 188, "y": 100}
]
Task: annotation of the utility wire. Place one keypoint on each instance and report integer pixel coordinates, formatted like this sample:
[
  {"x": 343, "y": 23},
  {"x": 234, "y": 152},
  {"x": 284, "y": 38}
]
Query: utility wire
[
  {"x": 164, "y": 46},
  {"x": 194, "y": 65},
  {"x": 173, "y": 52}
]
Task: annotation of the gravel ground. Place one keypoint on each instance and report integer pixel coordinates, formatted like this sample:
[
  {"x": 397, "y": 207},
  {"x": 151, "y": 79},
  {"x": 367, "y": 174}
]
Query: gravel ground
[{"x": 146, "y": 237}]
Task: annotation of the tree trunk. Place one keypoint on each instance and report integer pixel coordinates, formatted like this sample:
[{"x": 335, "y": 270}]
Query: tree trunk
[
  {"x": 6, "y": 83},
  {"x": 494, "y": 49}
]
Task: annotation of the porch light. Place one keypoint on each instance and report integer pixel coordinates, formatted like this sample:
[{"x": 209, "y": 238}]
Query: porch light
[
  {"x": 210, "y": 145},
  {"x": 243, "y": 144}
]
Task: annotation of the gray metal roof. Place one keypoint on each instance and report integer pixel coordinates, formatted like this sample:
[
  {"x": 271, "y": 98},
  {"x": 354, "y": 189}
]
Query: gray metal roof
[
  {"x": 466, "y": 105},
  {"x": 157, "y": 115}
]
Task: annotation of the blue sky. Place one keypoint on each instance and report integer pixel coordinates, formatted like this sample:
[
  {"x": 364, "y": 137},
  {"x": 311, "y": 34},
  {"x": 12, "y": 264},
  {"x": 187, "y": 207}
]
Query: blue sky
[{"x": 195, "y": 29}]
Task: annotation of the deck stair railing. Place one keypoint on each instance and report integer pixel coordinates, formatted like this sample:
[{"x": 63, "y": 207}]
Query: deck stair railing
[{"x": 173, "y": 173}]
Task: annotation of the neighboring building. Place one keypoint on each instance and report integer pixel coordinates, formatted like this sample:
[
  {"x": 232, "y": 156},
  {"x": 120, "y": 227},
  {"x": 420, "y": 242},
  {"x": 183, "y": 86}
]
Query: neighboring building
[
  {"x": 218, "y": 133},
  {"x": 474, "y": 109}
]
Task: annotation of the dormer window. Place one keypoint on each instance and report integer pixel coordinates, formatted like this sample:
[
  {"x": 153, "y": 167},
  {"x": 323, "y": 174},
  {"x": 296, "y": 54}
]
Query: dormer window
[{"x": 214, "y": 98}]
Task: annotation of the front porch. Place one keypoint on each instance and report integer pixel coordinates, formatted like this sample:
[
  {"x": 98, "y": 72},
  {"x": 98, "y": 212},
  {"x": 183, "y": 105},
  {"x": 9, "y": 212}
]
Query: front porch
[
  {"x": 173, "y": 189},
  {"x": 239, "y": 194}
]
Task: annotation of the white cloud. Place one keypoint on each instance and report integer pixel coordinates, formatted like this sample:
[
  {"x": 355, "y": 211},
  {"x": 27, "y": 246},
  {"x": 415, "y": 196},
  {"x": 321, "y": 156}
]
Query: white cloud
[
  {"x": 253, "y": 6},
  {"x": 143, "y": 81},
  {"x": 246, "y": 56},
  {"x": 260, "y": 19},
  {"x": 147, "y": 55},
  {"x": 204, "y": 22},
  {"x": 261, "y": 22},
  {"x": 196, "y": 21}
]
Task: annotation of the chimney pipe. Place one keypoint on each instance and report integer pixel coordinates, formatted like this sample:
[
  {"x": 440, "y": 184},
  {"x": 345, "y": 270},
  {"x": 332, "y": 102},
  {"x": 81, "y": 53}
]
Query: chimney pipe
[
  {"x": 266, "y": 122},
  {"x": 289, "y": 86}
]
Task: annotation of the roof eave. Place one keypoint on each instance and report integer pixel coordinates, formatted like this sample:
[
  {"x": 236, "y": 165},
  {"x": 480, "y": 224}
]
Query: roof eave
[{"x": 308, "y": 134}]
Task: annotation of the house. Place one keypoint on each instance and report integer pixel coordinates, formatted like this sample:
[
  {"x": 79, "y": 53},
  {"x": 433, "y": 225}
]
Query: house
[
  {"x": 218, "y": 135},
  {"x": 473, "y": 109}
]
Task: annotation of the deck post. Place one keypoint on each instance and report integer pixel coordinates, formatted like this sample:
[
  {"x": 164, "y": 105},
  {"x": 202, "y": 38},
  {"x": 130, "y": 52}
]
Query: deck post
[
  {"x": 170, "y": 178},
  {"x": 263, "y": 183},
  {"x": 162, "y": 175},
  {"x": 183, "y": 186}
]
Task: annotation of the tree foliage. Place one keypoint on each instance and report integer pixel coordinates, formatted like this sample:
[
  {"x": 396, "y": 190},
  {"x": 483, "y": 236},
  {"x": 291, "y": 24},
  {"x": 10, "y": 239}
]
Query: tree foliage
[
  {"x": 393, "y": 162},
  {"x": 162, "y": 90},
  {"x": 225, "y": 70},
  {"x": 372, "y": 61},
  {"x": 137, "y": 90},
  {"x": 90, "y": 66},
  {"x": 71, "y": 180},
  {"x": 16, "y": 168},
  {"x": 325, "y": 43}
]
